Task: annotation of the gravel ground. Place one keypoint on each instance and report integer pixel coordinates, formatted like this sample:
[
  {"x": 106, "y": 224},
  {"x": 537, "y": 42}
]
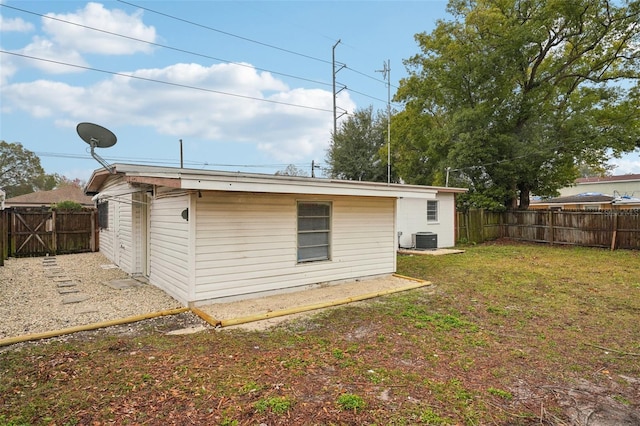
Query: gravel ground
[{"x": 31, "y": 299}]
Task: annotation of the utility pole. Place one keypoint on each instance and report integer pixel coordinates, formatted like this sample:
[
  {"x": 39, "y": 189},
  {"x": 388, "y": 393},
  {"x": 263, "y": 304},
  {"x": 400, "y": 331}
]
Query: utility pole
[
  {"x": 335, "y": 94},
  {"x": 386, "y": 75}
]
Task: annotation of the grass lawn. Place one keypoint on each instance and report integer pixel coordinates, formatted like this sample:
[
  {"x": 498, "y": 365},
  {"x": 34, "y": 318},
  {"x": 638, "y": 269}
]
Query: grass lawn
[{"x": 508, "y": 334}]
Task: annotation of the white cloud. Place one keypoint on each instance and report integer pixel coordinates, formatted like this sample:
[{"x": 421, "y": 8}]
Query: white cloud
[
  {"x": 54, "y": 57},
  {"x": 627, "y": 164},
  {"x": 67, "y": 43},
  {"x": 285, "y": 133},
  {"x": 15, "y": 25},
  {"x": 94, "y": 15}
]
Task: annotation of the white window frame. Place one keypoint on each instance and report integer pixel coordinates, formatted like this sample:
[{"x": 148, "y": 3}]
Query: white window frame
[
  {"x": 433, "y": 207},
  {"x": 301, "y": 246}
]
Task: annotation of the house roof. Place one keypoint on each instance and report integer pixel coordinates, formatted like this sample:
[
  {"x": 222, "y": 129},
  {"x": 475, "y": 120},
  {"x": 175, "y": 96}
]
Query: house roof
[
  {"x": 590, "y": 198},
  {"x": 604, "y": 179},
  {"x": 47, "y": 198},
  {"x": 196, "y": 179}
]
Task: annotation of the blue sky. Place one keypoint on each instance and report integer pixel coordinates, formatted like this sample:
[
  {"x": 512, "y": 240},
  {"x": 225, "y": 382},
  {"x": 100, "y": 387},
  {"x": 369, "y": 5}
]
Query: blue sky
[{"x": 247, "y": 85}]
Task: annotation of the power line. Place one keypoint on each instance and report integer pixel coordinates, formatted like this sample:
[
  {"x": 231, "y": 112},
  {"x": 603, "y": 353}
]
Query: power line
[
  {"x": 168, "y": 83},
  {"x": 202, "y": 55},
  {"x": 161, "y": 161},
  {"x": 226, "y": 33},
  {"x": 261, "y": 44},
  {"x": 164, "y": 46}
]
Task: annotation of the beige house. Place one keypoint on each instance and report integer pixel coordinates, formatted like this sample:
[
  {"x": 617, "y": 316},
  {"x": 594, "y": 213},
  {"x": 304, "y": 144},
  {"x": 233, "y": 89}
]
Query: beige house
[
  {"x": 596, "y": 193},
  {"x": 205, "y": 235},
  {"x": 621, "y": 185}
]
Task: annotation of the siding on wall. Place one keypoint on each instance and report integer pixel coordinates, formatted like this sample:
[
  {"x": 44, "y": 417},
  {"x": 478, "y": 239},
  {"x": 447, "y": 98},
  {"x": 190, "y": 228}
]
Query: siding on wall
[
  {"x": 116, "y": 242},
  {"x": 246, "y": 243},
  {"x": 169, "y": 248},
  {"x": 412, "y": 218}
]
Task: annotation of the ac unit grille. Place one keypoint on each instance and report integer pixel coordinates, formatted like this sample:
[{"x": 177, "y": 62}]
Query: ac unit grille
[{"x": 425, "y": 240}]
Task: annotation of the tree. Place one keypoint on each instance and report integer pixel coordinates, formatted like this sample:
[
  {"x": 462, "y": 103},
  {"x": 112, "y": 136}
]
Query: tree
[
  {"x": 358, "y": 150},
  {"x": 514, "y": 95},
  {"x": 291, "y": 170},
  {"x": 21, "y": 172}
]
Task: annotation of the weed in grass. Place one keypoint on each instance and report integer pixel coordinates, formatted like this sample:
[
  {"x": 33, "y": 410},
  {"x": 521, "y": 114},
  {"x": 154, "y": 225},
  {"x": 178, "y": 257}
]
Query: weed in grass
[
  {"x": 12, "y": 422},
  {"x": 500, "y": 393},
  {"x": 430, "y": 417},
  {"x": 250, "y": 387},
  {"x": 277, "y": 405},
  {"x": 351, "y": 402},
  {"x": 338, "y": 354},
  {"x": 293, "y": 363},
  {"x": 441, "y": 322},
  {"x": 495, "y": 310}
]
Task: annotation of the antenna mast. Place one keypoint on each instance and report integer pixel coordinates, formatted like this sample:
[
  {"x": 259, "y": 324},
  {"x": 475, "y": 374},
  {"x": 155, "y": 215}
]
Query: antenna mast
[
  {"x": 335, "y": 94},
  {"x": 386, "y": 75}
]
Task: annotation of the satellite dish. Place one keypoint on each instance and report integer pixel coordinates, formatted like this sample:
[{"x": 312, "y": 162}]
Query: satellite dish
[{"x": 97, "y": 137}]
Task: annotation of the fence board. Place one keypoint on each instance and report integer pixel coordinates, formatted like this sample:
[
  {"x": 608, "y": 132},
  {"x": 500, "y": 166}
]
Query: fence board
[{"x": 611, "y": 229}]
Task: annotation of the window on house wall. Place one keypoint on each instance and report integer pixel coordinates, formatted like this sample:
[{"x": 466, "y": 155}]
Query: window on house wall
[
  {"x": 103, "y": 215},
  {"x": 432, "y": 211},
  {"x": 314, "y": 228}
]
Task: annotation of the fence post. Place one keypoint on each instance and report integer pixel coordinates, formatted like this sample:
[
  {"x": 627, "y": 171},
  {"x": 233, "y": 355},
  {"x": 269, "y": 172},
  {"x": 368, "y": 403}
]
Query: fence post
[
  {"x": 92, "y": 244},
  {"x": 551, "y": 231},
  {"x": 54, "y": 233},
  {"x": 614, "y": 237},
  {"x": 2, "y": 234}
]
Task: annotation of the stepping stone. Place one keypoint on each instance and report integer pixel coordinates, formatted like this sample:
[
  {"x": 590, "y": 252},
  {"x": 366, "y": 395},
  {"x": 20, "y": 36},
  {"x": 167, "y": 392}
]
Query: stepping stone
[
  {"x": 87, "y": 310},
  {"x": 61, "y": 279},
  {"x": 125, "y": 283},
  {"x": 68, "y": 290},
  {"x": 188, "y": 330},
  {"x": 66, "y": 284},
  {"x": 109, "y": 266},
  {"x": 75, "y": 298}
]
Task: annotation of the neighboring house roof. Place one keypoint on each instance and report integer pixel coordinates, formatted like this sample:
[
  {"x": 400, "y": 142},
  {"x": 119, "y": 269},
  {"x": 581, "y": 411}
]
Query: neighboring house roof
[
  {"x": 590, "y": 198},
  {"x": 587, "y": 197},
  {"x": 47, "y": 198},
  {"x": 620, "y": 178},
  {"x": 196, "y": 179}
]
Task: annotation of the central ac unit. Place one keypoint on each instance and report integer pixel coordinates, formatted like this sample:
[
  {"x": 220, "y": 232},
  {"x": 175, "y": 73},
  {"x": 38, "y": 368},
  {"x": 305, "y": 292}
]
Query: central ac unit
[{"x": 425, "y": 240}]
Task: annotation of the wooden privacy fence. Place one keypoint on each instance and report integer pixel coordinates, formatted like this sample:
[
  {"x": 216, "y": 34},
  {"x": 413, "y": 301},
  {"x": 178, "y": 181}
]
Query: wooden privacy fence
[
  {"x": 611, "y": 228},
  {"x": 28, "y": 232}
]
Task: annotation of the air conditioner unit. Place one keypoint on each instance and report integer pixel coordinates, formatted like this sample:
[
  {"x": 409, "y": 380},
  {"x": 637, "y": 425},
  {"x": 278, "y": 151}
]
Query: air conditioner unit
[{"x": 425, "y": 240}]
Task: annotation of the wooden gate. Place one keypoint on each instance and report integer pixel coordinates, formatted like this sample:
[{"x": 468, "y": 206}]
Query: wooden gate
[{"x": 40, "y": 232}]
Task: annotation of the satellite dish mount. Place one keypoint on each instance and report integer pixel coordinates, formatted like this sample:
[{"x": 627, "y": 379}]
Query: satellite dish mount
[{"x": 97, "y": 137}]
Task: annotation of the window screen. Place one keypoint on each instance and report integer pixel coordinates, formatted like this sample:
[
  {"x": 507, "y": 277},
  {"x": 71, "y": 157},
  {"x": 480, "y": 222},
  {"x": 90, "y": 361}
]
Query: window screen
[
  {"x": 103, "y": 215},
  {"x": 314, "y": 226},
  {"x": 432, "y": 211}
]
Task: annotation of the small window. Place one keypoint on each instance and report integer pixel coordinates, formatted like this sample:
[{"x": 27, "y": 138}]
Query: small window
[
  {"x": 103, "y": 215},
  {"x": 314, "y": 226},
  {"x": 432, "y": 211}
]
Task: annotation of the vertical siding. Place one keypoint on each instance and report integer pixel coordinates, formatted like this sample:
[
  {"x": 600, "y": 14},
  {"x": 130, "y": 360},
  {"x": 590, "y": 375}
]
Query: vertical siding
[
  {"x": 107, "y": 235},
  {"x": 246, "y": 243},
  {"x": 412, "y": 218},
  {"x": 116, "y": 242},
  {"x": 124, "y": 234},
  {"x": 169, "y": 248},
  {"x": 138, "y": 231}
]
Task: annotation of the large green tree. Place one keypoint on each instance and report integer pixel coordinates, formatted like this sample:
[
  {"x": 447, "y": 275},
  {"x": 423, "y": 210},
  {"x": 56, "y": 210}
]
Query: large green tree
[
  {"x": 358, "y": 150},
  {"x": 21, "y": 172},
  {"x": 512, "y": 96}
]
